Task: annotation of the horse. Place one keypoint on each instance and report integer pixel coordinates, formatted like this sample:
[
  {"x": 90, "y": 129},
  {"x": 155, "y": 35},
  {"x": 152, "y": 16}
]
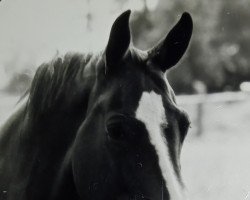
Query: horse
[{"x": 100, "y": 126}]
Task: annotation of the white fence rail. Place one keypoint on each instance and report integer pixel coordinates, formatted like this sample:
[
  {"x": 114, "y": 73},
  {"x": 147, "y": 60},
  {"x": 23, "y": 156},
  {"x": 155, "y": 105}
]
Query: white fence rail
[
  {"x": 200, "y": 100},
  {"x": 213, "y": 98}
]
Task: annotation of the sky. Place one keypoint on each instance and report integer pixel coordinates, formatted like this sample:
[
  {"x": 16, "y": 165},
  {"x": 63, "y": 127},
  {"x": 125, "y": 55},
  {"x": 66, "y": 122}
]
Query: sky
[{"x": 33, "y": 31}]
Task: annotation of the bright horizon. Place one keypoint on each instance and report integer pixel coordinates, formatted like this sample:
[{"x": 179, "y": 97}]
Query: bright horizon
[{"x": 33, "y": 30}]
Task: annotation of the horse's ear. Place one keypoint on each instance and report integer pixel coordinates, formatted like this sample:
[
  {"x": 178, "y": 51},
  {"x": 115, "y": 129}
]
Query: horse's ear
[
  {"x": 119, "y": 40},
  {"x": 170, "y": 50}
]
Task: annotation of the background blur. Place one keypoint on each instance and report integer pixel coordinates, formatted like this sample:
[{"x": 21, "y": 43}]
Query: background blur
[{"x": 216, "y": 154}]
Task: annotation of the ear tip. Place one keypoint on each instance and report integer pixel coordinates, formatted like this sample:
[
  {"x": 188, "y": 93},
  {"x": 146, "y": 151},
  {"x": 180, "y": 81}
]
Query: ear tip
[
  {"x": 126, "y": 13},
  {"x": 187, "y": 18},
  {"x": 124, "y": 17},
  {"x": 186, "y": 14}
]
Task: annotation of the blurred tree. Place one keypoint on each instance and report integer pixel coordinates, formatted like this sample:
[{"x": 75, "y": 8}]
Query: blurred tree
[
  {"x": 219, "y": 52},
  {"x": 233, "y": 42}
]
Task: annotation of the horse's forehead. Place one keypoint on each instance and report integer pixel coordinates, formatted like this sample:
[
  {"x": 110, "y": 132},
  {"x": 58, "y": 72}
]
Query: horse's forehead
[
  {"x": 137, "y": 77},
  {"x": 139, "y": 90},
  {"x": 150, "y": 107}
]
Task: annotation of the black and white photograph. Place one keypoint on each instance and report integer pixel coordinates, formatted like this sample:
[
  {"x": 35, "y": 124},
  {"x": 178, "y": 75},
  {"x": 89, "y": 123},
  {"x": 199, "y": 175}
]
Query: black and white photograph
[{"x": 124, "y": 100}]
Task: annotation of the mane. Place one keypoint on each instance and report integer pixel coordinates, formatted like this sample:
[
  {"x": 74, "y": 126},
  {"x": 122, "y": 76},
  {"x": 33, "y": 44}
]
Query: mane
[{"x": 52, "y": 79}]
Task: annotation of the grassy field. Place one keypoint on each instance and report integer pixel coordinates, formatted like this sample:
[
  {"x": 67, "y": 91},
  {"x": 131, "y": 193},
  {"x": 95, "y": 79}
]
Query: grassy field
[{"x": 216, "y": 165}]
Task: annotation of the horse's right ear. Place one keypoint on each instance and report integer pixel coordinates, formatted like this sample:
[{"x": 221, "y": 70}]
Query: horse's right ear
[
  {"x": 170, "y": 50},
  {"x": 119, "y": 40}
]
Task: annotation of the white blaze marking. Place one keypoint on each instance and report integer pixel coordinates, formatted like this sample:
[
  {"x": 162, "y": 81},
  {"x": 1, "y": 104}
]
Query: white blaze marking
[{"x": 152, "y": 113}]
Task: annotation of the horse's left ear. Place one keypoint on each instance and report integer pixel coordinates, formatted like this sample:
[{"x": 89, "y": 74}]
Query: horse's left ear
[
  {"x": 119, "y": 40},
  {"x": 170, "y": 50}
]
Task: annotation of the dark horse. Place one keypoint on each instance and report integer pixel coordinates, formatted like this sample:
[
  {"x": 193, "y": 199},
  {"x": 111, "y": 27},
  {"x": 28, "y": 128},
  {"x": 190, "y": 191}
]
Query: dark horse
[{"x": 99, "y": 127}]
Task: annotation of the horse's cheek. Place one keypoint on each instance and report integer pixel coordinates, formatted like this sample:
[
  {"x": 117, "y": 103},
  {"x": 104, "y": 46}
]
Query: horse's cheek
[{"x": 91, "y": 167}]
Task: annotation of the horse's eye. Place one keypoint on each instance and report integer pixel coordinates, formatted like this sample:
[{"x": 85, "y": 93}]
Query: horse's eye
[
  {"x": 184, "y": 125},
  {"x": 116, "y": 131}
]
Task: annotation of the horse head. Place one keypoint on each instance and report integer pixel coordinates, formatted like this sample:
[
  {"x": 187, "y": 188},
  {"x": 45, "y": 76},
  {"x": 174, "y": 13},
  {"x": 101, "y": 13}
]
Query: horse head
[{"x": 129, "y": 145}]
